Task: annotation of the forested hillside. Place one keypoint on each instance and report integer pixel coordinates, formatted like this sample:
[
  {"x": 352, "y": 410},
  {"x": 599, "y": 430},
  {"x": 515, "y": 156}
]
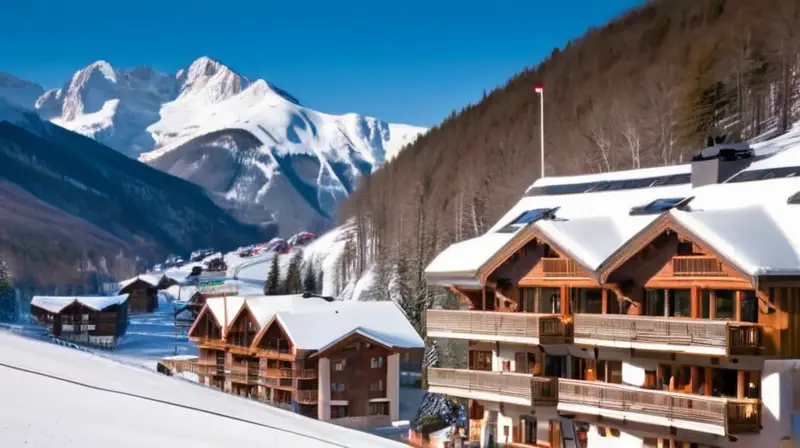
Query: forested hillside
[{"x": 644, "y": 90}]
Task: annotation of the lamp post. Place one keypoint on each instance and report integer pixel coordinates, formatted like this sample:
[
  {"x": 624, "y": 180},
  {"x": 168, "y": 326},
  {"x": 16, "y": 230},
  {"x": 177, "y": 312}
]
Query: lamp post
[{"x": 539, "y": 88}]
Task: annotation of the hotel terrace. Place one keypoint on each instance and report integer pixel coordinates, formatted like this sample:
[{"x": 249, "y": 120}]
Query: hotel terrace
[
  {"x": 333, "y": 361},
  {"x": 654, "y": 307}
]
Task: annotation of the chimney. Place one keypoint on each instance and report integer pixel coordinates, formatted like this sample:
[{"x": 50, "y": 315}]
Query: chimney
[{"x": 719, "y": 162}]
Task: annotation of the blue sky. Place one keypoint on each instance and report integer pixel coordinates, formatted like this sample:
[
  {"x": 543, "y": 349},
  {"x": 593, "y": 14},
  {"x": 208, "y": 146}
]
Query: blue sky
[{"x": 410, "y": 62}]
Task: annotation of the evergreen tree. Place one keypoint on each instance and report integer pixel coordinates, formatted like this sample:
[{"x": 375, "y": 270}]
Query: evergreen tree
[
  {"x": 310, "y": 278},
  {"x": 273, "y": 285},
  {"x": 320, "y": 277},
  {"x": 293, "y": 284},
  {"x": 8, "y": 302},
  {"x": 413, "y": 299}
]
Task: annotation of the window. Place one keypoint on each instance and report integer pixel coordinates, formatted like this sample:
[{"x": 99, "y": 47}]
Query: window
[
  {"x": 615, "y": 304},
  {"x": 380, "y": 408},
  {"x": 586, "y": 300},
  {"x": 749, "y": 306},
  {"x": 376, "y": 387},
  {"x": 680, "y": 303},
  {"x": 337, "y": 387},
  {"x": 549, "y": 300},
  {"x": 725, "y": 303},
  {"x": 659, "y": 205},
  {"x": 338, "y": 365},
  {"x": 480, "y": 360},
  {"x": 339, "y": 411},
  {"x": 353, "y": 346},
  {"x": 654, "y": 302},
  {"x": 376, "y": 362},
  {"x": 526, "y": 218}
]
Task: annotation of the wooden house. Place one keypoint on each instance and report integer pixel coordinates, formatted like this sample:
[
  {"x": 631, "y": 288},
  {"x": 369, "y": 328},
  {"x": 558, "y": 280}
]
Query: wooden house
[
  {"x": 642, "y": 308},
  {"x": 94, "y": 320},
  {"x": 142, "y": 292},
  {"x": 338, "y": 362}
]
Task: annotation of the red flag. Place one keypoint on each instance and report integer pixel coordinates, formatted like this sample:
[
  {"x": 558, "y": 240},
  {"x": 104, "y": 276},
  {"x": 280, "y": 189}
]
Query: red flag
[{"x": 538, "y": 88}]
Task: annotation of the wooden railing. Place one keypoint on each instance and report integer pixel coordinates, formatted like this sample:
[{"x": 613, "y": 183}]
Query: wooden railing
[
  {"x": 735, "y": 415},
  {"x": 696, "y": 266},
  {"x": 549, "y": 328},
  {"x": 508, "y": 384},
  {"x": 210, "y": 369},
  {"x": 306, "y": 396},
  {"x": 240, "y": 372},
  {"x": 209, "y": 342},
  {"x": 544, "y": 391},
  {"x": 560, "y": 267},
  {"x": 735, "y": 337}
]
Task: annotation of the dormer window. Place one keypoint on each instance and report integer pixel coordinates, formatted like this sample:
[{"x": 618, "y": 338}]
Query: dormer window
[
  {"x": 660, "y": 206},
  {"x": 528, "y": 217}
]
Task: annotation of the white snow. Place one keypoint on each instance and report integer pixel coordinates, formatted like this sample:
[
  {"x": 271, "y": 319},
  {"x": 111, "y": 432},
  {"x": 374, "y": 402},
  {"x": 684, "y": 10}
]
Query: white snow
[
  {"x": 68, "y": 398},
  {"x": 150, "y": 279},
  {"x": 327, "y": 323},
  {"x": 464, "y": 259},
  {"x": 55, "y": 304}
]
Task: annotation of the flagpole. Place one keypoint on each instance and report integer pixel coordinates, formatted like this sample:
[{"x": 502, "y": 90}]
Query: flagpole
[{"x": 540, "y": 90}]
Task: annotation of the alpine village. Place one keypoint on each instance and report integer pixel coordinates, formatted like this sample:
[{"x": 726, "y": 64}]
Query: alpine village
[{"x": 602, "y": 252}]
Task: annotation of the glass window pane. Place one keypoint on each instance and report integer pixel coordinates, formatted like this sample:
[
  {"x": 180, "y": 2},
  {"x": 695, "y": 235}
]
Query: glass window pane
[
  {"x": 654, "y": 302},
  {"x": 705, "y": 304},
  {"x": 612, "y": 303},
  {"x": 680, "y": 303},
  {"x": 749, "y": 306},
  {"x": 550, "y": 300},
  {"x": 587, "y": 300},
  {"x": 725, "y": 303}
]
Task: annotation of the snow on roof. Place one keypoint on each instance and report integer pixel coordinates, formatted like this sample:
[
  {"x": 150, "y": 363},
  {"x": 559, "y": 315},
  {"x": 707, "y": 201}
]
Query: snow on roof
[
  {"x": 106, "y": 401},
  {"x": 55, "y": 304},
  {"x": 147, "y": 278},
  {"x": 264, "y": 307},
  {"x": 750, "y": 237},
  {"x": 784, "y": 151},
  {"x": 225, "y": 309},
  {"x": 462, "y": 260},
  {"x": 640, "y": 173},
  {"x": 325, "y": 325},
  {"x": 591, "y": 240}
]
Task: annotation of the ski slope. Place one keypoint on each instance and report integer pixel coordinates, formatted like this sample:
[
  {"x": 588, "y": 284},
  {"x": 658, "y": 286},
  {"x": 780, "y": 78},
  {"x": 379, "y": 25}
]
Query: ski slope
[{"x": 57, "y": 396}]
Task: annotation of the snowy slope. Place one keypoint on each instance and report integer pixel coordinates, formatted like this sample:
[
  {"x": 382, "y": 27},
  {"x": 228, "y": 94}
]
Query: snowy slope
[
  {"x": 264, "y": 155},
  {"x": 68, "y": 398}
]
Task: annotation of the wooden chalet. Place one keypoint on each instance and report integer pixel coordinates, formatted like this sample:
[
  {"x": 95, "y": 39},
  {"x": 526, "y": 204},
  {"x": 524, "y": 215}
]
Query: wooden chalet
[
  {"x": 331, "y": 361},
  {"x": 656, "y": 315},
  {"x": 95, "y": 320},
  {"x": 143, "y": 292}
]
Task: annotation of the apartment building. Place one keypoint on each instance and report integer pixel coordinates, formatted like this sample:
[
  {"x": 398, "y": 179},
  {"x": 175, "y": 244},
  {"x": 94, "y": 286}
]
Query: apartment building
[
  {"x": 655, "y": 307},
  {"x": 333, "y": 361}
]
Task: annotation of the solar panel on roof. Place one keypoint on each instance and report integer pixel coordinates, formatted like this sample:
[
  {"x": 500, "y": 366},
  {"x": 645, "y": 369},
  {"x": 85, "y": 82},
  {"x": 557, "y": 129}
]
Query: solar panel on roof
[
  {"x": 526, "y": 218},
  {"x": 767, "y": 173},
  {"x": 614, "y": 185},
  {"x": 660, "y": 206}
]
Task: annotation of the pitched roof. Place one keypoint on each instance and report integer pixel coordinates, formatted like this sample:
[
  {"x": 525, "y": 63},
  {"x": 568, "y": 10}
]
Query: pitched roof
[
  {"x": 463, "y": 260},
  {"x": 55, "y": 304},
  {"x": 225, "y": 309},
  {"x": 323, "y": 326},
  {"x": 750, "y": 237},
  {"x": 150, "y": 279}
]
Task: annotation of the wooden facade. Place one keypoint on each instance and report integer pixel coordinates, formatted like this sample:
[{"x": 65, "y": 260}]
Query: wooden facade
[
  {"x": 264, "y": 364},
  {"x": 142, "y": 296},
  {"x": 667, "y": 299},
  {"x": 79, "y": 323}
]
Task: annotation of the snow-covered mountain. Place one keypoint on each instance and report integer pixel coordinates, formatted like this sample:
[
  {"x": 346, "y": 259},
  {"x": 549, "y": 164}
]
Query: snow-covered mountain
[{"x": 260, "y": 152}]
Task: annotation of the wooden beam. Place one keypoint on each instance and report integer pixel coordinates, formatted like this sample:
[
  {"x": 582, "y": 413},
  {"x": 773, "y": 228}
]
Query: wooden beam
[
  {"x": 740, "y": 384},
  {"x": 737, "y": 306},
  {"x": 712, "y": 304},
  {"x": 695, "y": 307},
  {"x": 604, "y": 302},
  {"x": 708, "y": 381},
  {"x": 694, "y": 381}
]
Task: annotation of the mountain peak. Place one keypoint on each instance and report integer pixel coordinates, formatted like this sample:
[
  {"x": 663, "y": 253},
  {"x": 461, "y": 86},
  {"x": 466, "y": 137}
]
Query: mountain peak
[
  {"x": 18, "y": 91},
  {"x": 210, "y": 79},
  {"x": 99, "y": 66}
]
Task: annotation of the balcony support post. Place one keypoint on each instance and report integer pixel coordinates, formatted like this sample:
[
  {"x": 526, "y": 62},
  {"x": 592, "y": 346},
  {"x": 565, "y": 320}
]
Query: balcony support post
[
  {"x": 737, "y": 306},
  {"x": 740, "y": 384},
  {"x": 696, "y": 309},
  {"x": 708, "y": 381},
  {"x": 604, "y": 302}
]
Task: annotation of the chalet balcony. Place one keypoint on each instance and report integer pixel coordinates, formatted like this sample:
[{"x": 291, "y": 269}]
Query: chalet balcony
[
  {"x": 560, "y": 268},
  {"x": 306, "y": 396},
  {"x": 697, "y": 266},
  {"x": 210, "y": 369},
  {"x": 522, "y": 328},
  {"x": 670, "y": 334},
  {"x": 276, "y": 349},
  {"x": 544, "y": 391},
  {"x": 712, "y": 415},
  {"x": 242, "y": 373},
  {"x": 501, "y": 387},
  {"x": 209, "y": 342}
]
